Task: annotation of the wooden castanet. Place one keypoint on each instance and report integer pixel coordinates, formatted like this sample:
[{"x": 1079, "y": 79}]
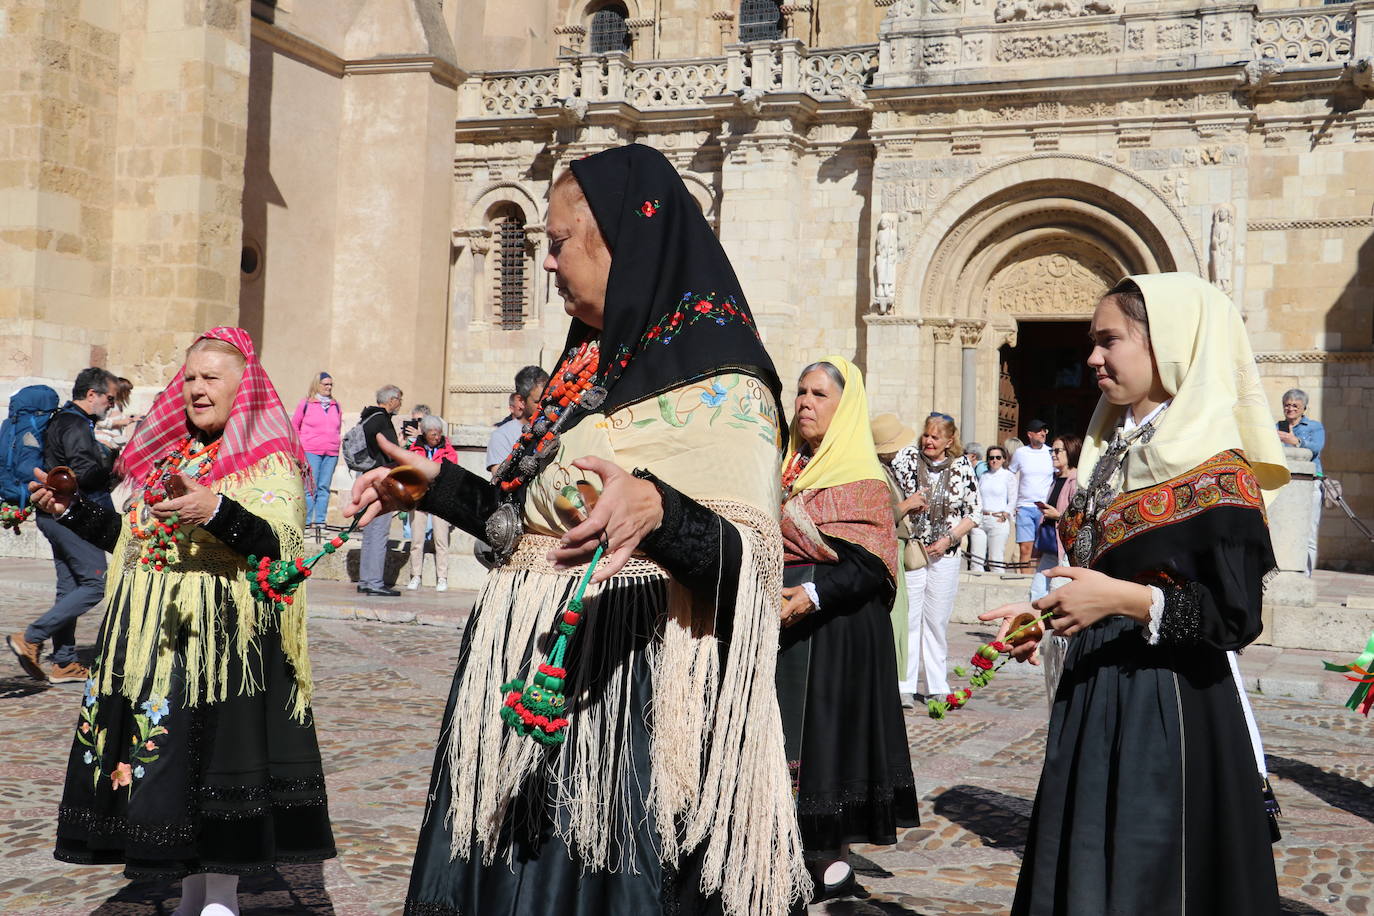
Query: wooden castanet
[
  {"x": 1034, "y": 628},
  {"x": 573, "y": 503},
  {"x": 176, "y": 487},
  {"x": 62, "y": 482},
  {"x": 404, "y": 485}
]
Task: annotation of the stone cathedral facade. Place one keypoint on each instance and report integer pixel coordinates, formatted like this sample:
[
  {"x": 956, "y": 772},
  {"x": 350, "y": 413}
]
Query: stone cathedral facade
[{"x": 938, "y": 189}]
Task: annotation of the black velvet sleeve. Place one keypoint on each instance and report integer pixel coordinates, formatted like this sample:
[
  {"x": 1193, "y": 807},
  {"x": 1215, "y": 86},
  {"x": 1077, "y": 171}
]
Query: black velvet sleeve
[
  {"x": 700, "y": 549},
  {"x": 856, "y": 580},
  {"x": 242, "y": 531},
  {"x": 1221, "y": 604},
  {"x": 93, "y": 523},
  {"x": 1211, "y": 569},
  {"x": 461, "y": 497}
]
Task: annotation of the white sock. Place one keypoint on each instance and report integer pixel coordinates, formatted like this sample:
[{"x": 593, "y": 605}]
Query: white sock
[
  {"x": 192, "y": 896},
  {"x": 836, "y": 873},
  {"x": 221, "y": 895}
]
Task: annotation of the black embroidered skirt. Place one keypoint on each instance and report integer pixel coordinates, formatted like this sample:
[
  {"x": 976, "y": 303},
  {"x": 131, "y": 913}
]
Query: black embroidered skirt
[
  {"x": 166, "y": 790},
  {"x": 842, "y": 719}
]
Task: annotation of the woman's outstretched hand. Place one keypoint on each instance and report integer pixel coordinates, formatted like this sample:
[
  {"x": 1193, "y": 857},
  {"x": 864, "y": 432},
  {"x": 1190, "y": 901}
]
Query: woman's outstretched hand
[
  {"x": 625, "y": 512},
  {"x": 366, "y": 498},
  {"x": 44, "y": 498},
  {"x": 1024, "y": 651},
  {"x": 1090, "y": 596}
]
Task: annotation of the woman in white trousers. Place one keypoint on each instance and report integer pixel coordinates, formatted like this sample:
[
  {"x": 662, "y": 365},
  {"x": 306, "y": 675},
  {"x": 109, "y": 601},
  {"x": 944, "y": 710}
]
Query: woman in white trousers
[
  {"x": 942, "y": 495},
  {"x": 996, "y": 489}
]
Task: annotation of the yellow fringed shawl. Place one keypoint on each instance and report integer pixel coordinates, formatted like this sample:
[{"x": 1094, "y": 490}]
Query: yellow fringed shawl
[{"x": 184, "y": 609}]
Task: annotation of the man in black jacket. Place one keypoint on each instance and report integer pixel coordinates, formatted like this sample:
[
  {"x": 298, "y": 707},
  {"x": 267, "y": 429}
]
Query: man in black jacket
[
  {"x": 372, "y": 556},
  {"x": 70, "y": 440}
]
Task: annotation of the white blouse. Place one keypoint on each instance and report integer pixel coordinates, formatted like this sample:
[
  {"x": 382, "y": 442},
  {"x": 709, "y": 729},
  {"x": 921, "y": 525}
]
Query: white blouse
[{"x": 995, "y": 487}]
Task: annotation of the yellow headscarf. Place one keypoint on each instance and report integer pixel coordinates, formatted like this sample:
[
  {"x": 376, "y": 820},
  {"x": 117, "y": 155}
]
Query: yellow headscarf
[
  {"x": 846, "y": 453},
  {"x": 1206, "y": 365}
]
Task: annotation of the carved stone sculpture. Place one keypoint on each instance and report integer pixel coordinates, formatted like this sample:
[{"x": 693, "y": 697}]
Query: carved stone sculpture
[
  {"x": 1260, "y": 72},
  {"x": 1362, "y": 74},
  {"x": 1037, "y": 10},
  {"x": 1223, "y": 243},
  {"x": 887, "y": 251}
]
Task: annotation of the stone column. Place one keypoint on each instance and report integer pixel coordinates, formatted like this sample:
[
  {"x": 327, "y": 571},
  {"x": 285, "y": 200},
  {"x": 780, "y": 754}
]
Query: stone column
[
  {"x": 178, "y": 220},
  {"x": 943, "y": 334},
  {"x": 59, "y": 90},
  {"x": 969, "y": 334}
]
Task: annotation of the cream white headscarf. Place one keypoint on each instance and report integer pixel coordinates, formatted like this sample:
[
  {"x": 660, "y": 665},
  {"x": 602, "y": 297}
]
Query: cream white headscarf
[{"x": 1206, "y": 365}]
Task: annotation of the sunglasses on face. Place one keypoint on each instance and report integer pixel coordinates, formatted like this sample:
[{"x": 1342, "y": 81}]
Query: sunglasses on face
[
  {"x": 996, "y": 458},
  {"x": 1056, "y": 451}
]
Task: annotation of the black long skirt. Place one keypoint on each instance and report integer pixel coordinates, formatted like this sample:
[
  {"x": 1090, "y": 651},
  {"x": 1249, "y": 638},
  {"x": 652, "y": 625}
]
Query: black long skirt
[
  {"x": 535, "y": 873},
  {"x": 842, "y": 719},
  {"x": 1151, "y": 796},
  {"x": 234, "y": 787}
]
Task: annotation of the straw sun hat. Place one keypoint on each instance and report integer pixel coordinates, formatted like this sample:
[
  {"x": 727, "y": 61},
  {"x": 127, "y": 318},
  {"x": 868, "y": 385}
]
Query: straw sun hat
[{"x": 889, "y": 435}]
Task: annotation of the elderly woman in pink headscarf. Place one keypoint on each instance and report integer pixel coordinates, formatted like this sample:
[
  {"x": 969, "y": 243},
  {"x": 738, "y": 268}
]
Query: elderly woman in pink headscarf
[{"x": 194, "y": 755}]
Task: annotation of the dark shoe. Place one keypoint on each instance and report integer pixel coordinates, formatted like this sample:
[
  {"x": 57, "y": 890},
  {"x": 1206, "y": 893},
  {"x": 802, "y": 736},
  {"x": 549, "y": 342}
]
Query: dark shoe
[
  {"x": 849, "y": 887},
  {"x": 28, "y": 654},
  {"x": 382, "y": 592},
  {"x": 360, "y": 589},
  {"x": 68, "y": 674}
]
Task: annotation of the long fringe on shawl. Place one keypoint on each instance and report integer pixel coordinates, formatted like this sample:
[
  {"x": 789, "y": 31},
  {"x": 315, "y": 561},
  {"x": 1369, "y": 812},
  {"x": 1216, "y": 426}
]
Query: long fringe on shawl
[
  {"x": 733, "y": 800},
  {"x": 189, "y": 604}
]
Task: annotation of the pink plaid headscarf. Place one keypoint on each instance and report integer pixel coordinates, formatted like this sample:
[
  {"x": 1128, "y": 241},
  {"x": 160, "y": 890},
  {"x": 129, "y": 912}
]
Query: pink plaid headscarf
[{"x": 258, "y": 425}]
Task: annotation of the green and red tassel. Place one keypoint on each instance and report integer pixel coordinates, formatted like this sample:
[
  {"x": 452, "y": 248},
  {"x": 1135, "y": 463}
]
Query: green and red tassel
[
  {"x": 277, "y": 580},
  {"x": 539, "y": 709},
  {"x": 1359, "y": 671}
]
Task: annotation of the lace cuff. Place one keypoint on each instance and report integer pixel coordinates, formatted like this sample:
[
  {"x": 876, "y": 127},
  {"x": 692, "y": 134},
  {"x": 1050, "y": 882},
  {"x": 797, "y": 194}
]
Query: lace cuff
[
  {"x": 693, "y": 543},
  {"x": 1180, "y": 623},
  {"x": 810, "y": 589},
  {"x": 91, "y": 522},
  {"x": 1156, "y": 613}
]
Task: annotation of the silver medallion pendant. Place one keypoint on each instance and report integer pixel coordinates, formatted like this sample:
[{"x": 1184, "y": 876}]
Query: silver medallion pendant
[{"x": 504, "y": 530}]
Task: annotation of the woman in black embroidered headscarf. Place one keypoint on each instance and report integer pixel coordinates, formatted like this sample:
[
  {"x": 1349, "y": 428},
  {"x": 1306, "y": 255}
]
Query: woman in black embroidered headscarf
[{"x": 669, "y": 789}]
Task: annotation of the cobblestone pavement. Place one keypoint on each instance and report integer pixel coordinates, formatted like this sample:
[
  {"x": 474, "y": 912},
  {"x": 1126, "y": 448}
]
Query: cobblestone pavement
[{"x": 379, "y": 696}]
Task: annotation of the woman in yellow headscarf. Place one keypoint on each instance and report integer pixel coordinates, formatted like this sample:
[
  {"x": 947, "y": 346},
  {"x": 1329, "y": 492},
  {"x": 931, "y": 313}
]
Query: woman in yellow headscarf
[
  {"x": 1153, "y": 799},
  {"x": 837, "y": 678}
]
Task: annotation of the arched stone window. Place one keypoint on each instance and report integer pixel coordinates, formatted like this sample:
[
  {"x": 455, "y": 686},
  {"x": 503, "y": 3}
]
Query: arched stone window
[
  {"x": 759, "y": 20},
  {"x": 607, "y": 30},
  {"x": 510, "y": 264}
]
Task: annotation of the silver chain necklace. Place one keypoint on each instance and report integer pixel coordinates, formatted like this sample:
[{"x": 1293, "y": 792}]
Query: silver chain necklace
[{"x": 1103, "y": 488}]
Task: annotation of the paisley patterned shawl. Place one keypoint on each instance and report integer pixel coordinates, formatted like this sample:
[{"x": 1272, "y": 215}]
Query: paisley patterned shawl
[
  {"x": 1226, "y": 480},
  {"x": 858, "y": 512}
]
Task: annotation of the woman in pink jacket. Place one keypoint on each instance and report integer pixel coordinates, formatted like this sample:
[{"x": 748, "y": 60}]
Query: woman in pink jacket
[
  {"x": 318, "y": 420},
  {"x": 434, "y": 445}
]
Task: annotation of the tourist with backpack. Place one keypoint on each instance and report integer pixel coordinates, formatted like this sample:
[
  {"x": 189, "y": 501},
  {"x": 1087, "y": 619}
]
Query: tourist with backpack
[
  {"x": 361, "y": 453},
  {"x": 69, "y": 440},
  {"x": 21, "y": 441}
]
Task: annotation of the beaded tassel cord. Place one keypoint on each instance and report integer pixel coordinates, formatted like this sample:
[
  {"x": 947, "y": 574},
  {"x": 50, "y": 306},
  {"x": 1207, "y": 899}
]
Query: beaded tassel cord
[
  {"x": 277, "y": 580},
  {"x": 537, "y": 710}
]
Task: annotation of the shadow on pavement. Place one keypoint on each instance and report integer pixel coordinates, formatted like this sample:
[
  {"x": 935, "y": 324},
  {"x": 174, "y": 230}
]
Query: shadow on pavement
[
  {"x": 291, "y": 890},
  {"x": 1337, "y": 791},
  {"x": 1000, "y": 820},
  {"x": 15, "y": 688}
]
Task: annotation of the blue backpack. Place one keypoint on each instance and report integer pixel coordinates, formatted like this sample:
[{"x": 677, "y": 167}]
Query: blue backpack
[{"x": 21, "y": 440}]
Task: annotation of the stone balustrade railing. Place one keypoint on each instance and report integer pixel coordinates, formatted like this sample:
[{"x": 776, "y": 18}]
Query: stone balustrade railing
[
  {"x": 926, "y": 42},
  {"x": 757, "y": 67}
]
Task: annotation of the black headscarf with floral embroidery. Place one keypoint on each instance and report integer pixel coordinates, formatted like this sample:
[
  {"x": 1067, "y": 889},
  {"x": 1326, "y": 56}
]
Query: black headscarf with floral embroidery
[{"x": 674, "y": 313}]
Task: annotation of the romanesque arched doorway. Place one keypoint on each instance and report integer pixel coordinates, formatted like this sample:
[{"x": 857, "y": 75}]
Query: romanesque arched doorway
[{"x": 1000, "y": 280}]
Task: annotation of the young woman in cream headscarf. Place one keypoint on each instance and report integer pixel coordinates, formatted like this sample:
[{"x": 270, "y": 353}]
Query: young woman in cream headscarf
[
  {"x": 837, "y": 680},
  {"x": 1153, "y": 799}
]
